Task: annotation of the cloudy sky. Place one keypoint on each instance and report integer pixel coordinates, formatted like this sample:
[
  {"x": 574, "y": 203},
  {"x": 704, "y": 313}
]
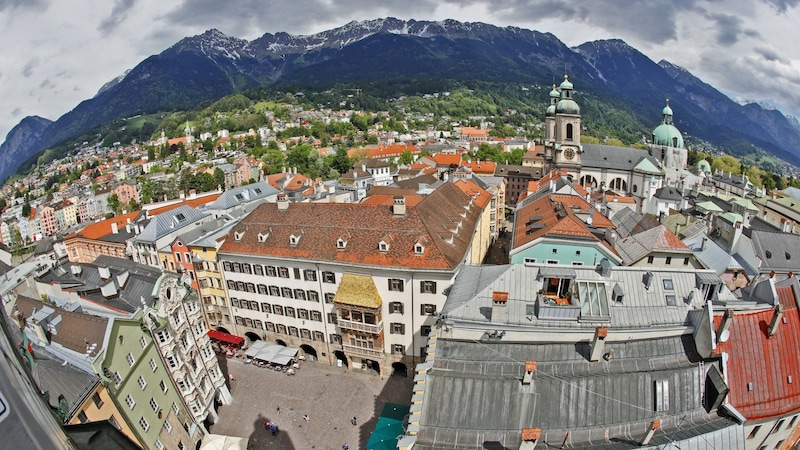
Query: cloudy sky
[{"x": 58, "y": 53}]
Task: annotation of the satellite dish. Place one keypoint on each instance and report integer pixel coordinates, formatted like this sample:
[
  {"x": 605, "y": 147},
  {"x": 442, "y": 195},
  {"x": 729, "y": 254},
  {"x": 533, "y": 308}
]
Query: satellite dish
[{"x": 725, "y": 336}]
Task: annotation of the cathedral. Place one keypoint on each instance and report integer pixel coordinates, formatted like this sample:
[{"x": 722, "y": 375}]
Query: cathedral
[{"x": 640, "y": 174}]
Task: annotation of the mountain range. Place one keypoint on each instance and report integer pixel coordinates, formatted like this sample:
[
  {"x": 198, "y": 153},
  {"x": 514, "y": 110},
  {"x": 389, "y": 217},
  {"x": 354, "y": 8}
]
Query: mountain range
[{"x": 211, "y": 65}]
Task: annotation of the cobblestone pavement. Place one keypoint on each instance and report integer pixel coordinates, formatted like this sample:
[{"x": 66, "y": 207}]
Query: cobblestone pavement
[{"x": 330, "y": 396}]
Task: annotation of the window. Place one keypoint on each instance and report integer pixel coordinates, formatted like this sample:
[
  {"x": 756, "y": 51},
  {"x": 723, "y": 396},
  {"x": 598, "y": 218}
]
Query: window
[
  {"x": 275, "y": 291},
  {"x": 310, "y": 275},
  {"x": 316, "y": 316},
  {"x": 552, "y": 261},
  {"x": 395, "y": 285},
  {"x": 266, "y": 308},
  {"x": 277, "y": 309},
  {"x": 262, "y": 289},
  {"x": 82, "y": 417},
  {"x": 289, "y": 311},
  {"x": 302, "y": 313},
  {"x": 329, "y": 297},
  {"x": 142, "y": 342},
  {"x": 235, "y": 302},
  {"x": 117, "y": 379},
  {"x": 398, "y": 328},
  {"x": 286, "y": 292},
  {"x": 685, "y": 261},
  {"x": 328, "y": 277},
  {"x": 305, "y": 334},
  {"x": 427, "y": 287},
  {"x": 142, "y": 383},
  {"x": 425, "y": 330},
  {"x": 667, "y": 283},
  {"x": 399, "y": 349},
  {"x": 396, "y": 307},
  {"x": 283, "y": 272},
  {"x": 427, "y": 309},
  {"x": 779, "y": 444},
  {"x": 778, "y": 426},
  {"x": 332, "y": 318},
  {"x": 258, "y": 269},
  {"x": 175, "y": 408},
  {"x": 650, "y": 259},
  {"x": 299, "y": 294},
  {"x": 129, "y": 358},
  {"x": 154, "y": 404},
  {"x": 313, "y": 296},
  {"x": 129, "y": 401},
  {"x": 671, "y": 300},
  {"x": 163, "y": 386},
  {"x": 293, "y": 331},
  {"x": 669, "y": 260},
  {"x": 153, "y": 365},
  {"x": 143, "y": 422},
  {"x": 98, "y": 402},
  {"x": 168, "y": 427},
  {"x": 271, "y": 271},
  {"x": 555, "y": 251}
]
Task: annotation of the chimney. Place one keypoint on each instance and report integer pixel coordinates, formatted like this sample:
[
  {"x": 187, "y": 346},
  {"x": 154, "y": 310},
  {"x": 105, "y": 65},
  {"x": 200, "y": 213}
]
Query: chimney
[
  {"x": 283, "y": 202},
  {"x": 499, "y": 307},
  {"x": 399, "y": 206},
  {"x": 727, "y": 318},
  {"x": 598, "y": 343},
  {"x": 653, "y": 427},
  {"x": 128, "y": 227},
  {"x": 530, "y": 437},
  {"x": 114, "y": 228},
  {"x": 776, "y": 319},
  {"x": 182, "y": 195},
  {"x": 530, "y": 367}
]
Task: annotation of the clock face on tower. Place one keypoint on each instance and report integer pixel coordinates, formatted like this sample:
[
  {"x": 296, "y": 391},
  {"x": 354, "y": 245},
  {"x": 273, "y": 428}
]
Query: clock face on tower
[{"x": 569, "y": 153}]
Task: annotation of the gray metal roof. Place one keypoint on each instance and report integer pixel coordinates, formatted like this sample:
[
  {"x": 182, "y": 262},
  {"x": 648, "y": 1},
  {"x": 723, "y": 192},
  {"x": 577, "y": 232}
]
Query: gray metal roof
[
  {"x": 712, "y": 255},
  {"x": 617, "y": 158},
  {"x": 242, "y": 195},
  {"x": 169, "y": 221},
  {"x": 475, "y": 395},
  {"x": 777, "y": 251},
  {"x": 470, "y": 299}
]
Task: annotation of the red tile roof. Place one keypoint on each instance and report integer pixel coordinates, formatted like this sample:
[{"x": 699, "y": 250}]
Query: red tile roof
[
  {"x": 766, "y": 362},
  {"x": 103, "y": 228},
  {"x": 446, "y": 160},
  {"x": 319, "y": 225},
  {"x": 481, "y": 167},
  {"x": 194, "y": 203},
  {"x": 558, "y": 217}
]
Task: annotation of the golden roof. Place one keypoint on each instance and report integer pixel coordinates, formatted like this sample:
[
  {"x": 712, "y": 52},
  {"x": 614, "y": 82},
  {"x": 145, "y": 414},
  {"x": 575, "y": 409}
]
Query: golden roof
[{"x": 358, "y": 290}]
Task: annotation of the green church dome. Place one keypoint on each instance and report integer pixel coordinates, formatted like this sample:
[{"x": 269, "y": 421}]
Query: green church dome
[
  {"x": 567, "y": 106},
  {"x": 667, "y": 134},
  {"x": 703, "y": 166},
  {"x": 566, "y": 84},
  {"x": 554, "y": 93},
  {"x": 550, "y": 111}
]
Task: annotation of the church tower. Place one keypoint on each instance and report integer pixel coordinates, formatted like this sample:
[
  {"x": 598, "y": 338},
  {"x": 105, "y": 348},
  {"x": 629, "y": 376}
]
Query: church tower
[
  {"x": 667, "y": 143},
  {"x": 566, "y": 148},
  {"x": 550, "y": 118}
]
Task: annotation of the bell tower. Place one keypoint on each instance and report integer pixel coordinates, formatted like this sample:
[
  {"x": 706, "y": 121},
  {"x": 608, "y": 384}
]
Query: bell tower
[{"x": 567, "y": 146}]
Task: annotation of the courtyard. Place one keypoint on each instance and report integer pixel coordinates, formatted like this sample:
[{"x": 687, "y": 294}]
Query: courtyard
[{"x": 330, "y": 396}]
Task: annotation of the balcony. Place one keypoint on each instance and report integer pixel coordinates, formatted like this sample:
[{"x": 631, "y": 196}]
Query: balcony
[
  {"x": 360, "y": 326},
  {"x": 359, "y": 351}
]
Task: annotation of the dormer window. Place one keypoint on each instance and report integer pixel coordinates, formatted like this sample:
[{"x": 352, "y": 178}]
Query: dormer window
[
  {"x": 237, "y": 235},
  {"x": 262, "y": 237},
  {"x": 419, "y": 249},
  {"x": 383, "y": 246},
  {"x": 341, "y": 244},
  {"x": 293, "y": 240}
]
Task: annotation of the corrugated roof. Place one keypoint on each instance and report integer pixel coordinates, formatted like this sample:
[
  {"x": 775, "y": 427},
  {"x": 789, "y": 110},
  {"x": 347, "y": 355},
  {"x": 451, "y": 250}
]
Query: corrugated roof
[
  {"x": 765, "y": 362},
  {"x": 617, "y": 158}
]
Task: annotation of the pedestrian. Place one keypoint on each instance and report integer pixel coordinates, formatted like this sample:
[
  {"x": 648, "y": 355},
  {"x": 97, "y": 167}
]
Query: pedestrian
[
  {"x": 266, "y": 425},
  {"x": 305, "y": 417},
  {"x": 353, "y": 421},
  {"x": 273, "y": 428},
  {"x": 278, "y": 408},
  {"x": 345, "y": 447}
]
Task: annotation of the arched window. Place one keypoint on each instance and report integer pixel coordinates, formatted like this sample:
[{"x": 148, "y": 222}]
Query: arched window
[
  {"x": 675, "y": 142},
  {"x": 569, "y": 131}
]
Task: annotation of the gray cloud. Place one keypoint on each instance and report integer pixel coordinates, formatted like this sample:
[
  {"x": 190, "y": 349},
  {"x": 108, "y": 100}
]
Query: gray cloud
[
  {"x": 118, "y": 15},
  {"x": 728, "y": 28},
  {"x": 770, "y": 55},
  {"x": 782, "y": 5},
  {"x": 27, "y": 69},
  {"x": 46, "y": 84},
  {"x": 20, "y": 4},
  {"x": 16, "y": 112}
]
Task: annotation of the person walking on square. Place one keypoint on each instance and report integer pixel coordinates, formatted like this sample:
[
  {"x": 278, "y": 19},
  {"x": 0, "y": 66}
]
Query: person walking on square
[
  {"x": 278, "y": 408},
  {"x": 345, "y": 447},
  {"x": 305, "y": 417},
  {"x": 353, "y": 421}
]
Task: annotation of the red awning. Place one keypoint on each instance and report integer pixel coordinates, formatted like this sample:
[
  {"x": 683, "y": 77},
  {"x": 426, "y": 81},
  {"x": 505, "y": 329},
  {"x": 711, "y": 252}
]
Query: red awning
[{"x": 225, "y": 337}]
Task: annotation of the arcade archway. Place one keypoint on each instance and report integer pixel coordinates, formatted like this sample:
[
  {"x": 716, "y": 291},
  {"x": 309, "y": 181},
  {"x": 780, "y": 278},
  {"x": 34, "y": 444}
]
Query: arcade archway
[
  {"x": 309, "y": 351},
  {"x": 252, "y": 336},
  {"x": 341, "y": 358},
  {"x": 399, "y": 369}
]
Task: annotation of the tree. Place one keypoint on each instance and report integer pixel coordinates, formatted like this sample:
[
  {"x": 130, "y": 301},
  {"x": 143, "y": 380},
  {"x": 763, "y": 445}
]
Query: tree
[
  {"x": 406, "y": 157},
  {"x": 113, "y": 203},
  {"x": 26, "y": 209},
  {"x": 341, "y": 162},
  {"x": 219, "y": 177}
]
